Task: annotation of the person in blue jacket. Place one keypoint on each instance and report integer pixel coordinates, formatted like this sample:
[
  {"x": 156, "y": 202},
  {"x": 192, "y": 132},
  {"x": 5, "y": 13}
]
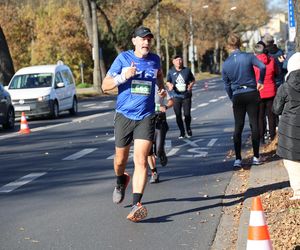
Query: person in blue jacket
[
  {"x": 135, "y": 73},
  {"x": 240, "y": 84}
]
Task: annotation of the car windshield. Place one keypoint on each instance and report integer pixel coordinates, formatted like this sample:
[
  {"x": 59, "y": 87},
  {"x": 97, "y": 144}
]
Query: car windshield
[{"x": 29, "y": 81}]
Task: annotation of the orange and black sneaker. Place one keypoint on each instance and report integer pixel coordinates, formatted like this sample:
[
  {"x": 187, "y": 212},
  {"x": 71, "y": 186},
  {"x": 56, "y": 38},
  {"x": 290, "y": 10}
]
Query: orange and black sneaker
[
  {"x": 119, "y": 191},
  {"x": 137, "y": 213}
]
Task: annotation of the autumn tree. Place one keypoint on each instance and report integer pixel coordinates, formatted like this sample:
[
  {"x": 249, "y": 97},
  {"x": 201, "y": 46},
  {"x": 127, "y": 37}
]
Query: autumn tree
[{"x": 120, "y": 17}]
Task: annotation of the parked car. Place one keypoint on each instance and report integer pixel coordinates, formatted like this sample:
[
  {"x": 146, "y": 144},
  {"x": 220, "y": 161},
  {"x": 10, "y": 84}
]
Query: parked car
[
  {"x": 43, "y": 90},
  {"x": 7, "y": 112}
]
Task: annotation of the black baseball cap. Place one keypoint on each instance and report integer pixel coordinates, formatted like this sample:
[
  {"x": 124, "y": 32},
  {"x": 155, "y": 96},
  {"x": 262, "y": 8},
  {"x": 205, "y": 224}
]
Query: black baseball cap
[
  {"x": 142, "y": 32},
  {"x": 177, "y": 56}
]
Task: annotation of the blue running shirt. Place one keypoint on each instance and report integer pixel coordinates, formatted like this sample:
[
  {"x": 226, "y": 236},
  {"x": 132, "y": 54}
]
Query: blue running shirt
[{"x": 136, "y": 96}]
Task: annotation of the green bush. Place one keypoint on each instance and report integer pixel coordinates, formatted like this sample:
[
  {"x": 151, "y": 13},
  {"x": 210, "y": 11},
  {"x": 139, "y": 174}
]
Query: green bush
[{"x": 84, "y": 85}]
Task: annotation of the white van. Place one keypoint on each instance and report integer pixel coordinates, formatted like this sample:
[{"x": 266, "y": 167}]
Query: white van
[{"x": 43, "y": 90}]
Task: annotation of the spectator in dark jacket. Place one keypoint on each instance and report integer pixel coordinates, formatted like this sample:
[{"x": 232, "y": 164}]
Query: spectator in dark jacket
[
  {"x": 291, "y": 46},
  {"x": 287, "y": 103},
  {"x": 240, "y": 83},
  {"x": 267, "y": 94},
  {"x": 278, "y": 55}
]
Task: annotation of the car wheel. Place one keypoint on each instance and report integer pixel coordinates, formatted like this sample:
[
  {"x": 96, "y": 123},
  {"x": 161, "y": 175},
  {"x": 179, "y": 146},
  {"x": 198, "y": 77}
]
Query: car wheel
[
  {"x": 54, "y": 113},
  {"x": 10, "y": 119},
  {"x": 74, "y": 109}
]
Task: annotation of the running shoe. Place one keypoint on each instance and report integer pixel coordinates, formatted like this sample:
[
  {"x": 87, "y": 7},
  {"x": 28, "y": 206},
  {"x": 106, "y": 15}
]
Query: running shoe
[
  {"x": 237, "y": 163},
  {"x": 119, "y": 191},
  {"x": 137, "y": 213},
  {"x": 154, "y": 178},
  {"x": 256, "y": 161},
  {"x": 182, "y": 136},
  {"x": 189, "y": 133},
  {"x": 163, "y": 159}
]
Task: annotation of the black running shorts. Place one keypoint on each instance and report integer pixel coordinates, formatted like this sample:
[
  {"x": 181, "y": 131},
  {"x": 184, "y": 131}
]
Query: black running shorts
[{"x": 127, "y": 130}]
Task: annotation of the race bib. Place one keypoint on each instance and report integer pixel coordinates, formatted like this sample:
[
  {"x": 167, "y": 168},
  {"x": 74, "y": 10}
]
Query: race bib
[
  {"x": 141, "y": 87},
  {"x": 181, "y": 87}
]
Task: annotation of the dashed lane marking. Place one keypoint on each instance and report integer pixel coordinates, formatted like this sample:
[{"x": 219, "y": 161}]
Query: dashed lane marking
[
  {"x": 79, "y": 154},
  {"x": 89, "y": 105},
  {"x": 20, "y": 182},
  {"x": 56, "y": 125},
  {"x": 211, "y": 142},
  {"x": 202, "y": 105}
]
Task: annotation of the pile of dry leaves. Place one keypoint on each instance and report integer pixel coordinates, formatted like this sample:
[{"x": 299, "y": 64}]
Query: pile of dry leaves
[{"x": 282, "y": 215}]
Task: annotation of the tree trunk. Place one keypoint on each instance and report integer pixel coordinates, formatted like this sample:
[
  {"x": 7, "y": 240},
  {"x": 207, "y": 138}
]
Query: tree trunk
[
  {"x": 157, "y": 30},
  {"x": 185, "y": 53},
  {"x": 96, "y": 54},
  {"x": 297, "y": 18},
  {"x": 167, "y": 56},
  {"x": 87, "y": 18},
  {"x": 6, "y": 64},
  {"x": 90, "y": 21}
]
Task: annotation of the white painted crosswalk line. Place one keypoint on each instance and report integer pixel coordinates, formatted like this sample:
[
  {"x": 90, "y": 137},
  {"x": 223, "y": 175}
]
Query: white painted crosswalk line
[
  {"x": 20, "y": 182},
  {"x": 173, "y": 151},
  {"x": 211, "y": 142},
  {"x": 79, "y": 154}
]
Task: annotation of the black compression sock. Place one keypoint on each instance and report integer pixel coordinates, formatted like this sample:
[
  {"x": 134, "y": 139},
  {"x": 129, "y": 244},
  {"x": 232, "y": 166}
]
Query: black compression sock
[
  {"x": 121, "y": 179},
  {"x": 137, "y": 197},
  {"x": 154, "y": 170}
]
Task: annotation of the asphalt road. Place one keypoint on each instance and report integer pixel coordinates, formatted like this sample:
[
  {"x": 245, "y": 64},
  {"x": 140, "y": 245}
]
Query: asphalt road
[{"x": 56, "y": 183}]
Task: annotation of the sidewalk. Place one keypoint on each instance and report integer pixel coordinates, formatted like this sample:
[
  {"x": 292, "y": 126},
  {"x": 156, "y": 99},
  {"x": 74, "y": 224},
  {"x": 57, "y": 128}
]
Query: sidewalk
[
  {"x": 270, "y": 182},
  {"x": 263, "y": 179}
]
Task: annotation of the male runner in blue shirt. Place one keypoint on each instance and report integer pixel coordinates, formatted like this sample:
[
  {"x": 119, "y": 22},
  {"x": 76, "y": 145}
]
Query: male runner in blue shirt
[{"x": 135, "y": 73}]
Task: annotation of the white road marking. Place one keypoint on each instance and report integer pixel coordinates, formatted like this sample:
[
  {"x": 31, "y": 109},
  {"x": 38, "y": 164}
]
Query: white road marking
[
  {"x": 20, "y": 182},
  {"x": 190, "y": 143},
  {"x": 111, "y": 139},
  {"x": 222, "y": 97},
  {"x": 171, "y": 117},
  {"x": 89, "y": 105},
  {"x": 56, "y": 125},
  {"x": 211, "y": 142},
  {"x": 79, "y": 154},
  {"x": 214, "y": 100},
  {"x": 202, "y": 105},
  {"x": 228, "y": 129},
  {"x": 173, "y": 151}
]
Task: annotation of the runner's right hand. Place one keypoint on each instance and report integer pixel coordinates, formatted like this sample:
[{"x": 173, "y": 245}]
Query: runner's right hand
[{"x": 131, "y": 71}]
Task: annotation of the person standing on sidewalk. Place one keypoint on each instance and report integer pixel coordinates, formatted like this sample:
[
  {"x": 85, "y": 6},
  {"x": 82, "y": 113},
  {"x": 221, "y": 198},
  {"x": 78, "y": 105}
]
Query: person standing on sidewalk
[
  {"x": 287, "y": 104},
  {"x": 278, "y": 56},
  {"x": 161, "y": 129},
  {"x": 267, "y": 94},
  {"x": 180, "y": 80},
  {"x": 240, "y": 84},
  {"x": 135, "y": 73}
]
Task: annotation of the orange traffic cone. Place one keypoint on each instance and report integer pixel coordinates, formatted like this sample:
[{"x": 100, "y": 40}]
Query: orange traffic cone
[
  {"x": 24, "y": 129},
  {"x": 258, "y": 234}
]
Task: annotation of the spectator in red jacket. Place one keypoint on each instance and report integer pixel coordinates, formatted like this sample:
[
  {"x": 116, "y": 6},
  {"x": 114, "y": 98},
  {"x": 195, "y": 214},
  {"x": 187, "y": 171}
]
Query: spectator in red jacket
[{"x": 267, "y": 94}]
